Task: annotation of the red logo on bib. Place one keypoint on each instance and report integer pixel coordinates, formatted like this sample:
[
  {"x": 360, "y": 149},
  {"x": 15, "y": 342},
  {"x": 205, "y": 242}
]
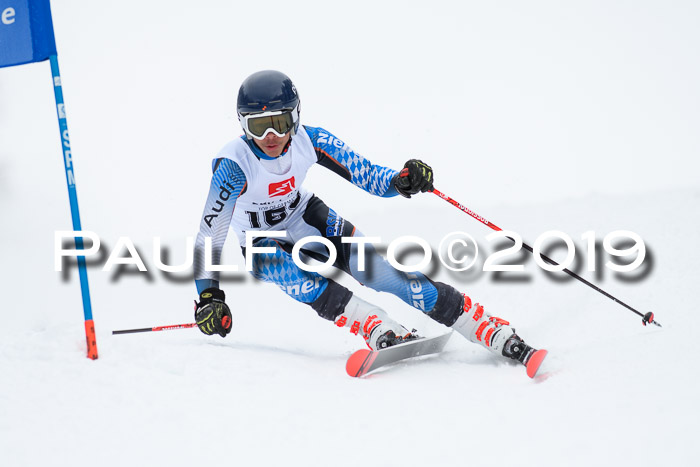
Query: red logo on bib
[{"x": 281, "y": 188}]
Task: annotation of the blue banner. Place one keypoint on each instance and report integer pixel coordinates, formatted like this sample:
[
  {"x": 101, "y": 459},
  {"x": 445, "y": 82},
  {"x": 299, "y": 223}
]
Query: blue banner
[{"x": 26, "y": 32}]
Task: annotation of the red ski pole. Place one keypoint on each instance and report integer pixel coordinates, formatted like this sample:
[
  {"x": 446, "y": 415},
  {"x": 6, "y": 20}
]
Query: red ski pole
[
  {"x": 646, "y": 318},
  {"x": 157, "y": 328}
]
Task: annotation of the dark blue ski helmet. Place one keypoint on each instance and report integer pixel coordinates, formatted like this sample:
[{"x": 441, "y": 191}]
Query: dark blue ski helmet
[{"x": 264, "y": 92}]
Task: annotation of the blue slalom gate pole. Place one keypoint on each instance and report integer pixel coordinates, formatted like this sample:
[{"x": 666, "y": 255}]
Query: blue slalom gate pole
[
  {"x": 26, "y": 36},
  {"x": 75, "y": 213}
]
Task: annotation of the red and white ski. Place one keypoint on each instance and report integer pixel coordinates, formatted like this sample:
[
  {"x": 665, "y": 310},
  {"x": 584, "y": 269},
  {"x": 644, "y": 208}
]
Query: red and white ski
[
  {"x": 533, "y": 364},
  {"x": 363, "y": 361}
]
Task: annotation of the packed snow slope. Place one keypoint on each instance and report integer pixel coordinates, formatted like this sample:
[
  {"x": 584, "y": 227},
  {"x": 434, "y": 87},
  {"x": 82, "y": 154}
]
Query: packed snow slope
[
  {"x": 538, "y": 116},
  {"x": 275, "y": 390}
]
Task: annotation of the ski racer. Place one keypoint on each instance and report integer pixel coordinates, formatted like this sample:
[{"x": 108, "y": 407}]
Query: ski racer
[{"x": 257, "y": 186}]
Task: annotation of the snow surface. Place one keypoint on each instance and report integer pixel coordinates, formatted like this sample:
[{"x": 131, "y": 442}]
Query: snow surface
[{"x": 537, "y": 115}]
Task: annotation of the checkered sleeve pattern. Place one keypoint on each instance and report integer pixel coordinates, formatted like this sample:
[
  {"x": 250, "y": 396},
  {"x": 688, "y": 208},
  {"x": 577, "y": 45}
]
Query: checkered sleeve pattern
[{"x": 337, "y": 156}]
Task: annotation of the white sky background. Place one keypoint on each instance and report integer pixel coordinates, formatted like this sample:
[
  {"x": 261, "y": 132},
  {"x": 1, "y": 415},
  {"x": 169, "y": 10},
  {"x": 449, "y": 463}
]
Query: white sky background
[
  {"x": 536, "y": 115},
  {"x": 509, "y": 101}
]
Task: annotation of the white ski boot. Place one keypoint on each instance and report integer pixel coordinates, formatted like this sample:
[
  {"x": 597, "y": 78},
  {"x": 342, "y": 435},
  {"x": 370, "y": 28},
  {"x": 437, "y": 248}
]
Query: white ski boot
[
  {"x": 493, "y": 333},
  {"x": 497, "y": 335},
  {"x": 373, "y": 324}
]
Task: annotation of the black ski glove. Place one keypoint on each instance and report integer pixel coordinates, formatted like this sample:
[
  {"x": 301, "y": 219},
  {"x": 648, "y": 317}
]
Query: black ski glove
[
  {"x": 212, "y": 314},
  {"x": 416, "y": 176}
]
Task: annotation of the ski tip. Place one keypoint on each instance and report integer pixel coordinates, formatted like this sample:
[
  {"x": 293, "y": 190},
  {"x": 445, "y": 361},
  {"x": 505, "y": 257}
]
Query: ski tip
[
  {"x": 535, "y": 361},
  {"x": 356, "y": 363}
]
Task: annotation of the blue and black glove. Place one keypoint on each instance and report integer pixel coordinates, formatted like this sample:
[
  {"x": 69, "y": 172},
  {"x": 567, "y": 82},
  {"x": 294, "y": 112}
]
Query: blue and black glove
[
  {"x": 416, "y": 176},
  {"x": 211, "y": 314}
]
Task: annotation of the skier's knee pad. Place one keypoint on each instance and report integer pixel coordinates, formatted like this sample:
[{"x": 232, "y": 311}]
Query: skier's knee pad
[{"x": 448, "y": 306}]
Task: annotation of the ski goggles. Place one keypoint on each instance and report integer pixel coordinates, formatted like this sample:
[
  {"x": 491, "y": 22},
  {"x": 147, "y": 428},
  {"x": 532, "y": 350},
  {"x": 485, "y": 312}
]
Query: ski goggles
[{"x": 277, "y": 122}]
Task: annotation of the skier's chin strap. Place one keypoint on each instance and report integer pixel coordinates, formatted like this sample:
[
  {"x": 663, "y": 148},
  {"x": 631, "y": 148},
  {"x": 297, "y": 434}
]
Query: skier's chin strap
[{"x": 259, "y": 152}]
